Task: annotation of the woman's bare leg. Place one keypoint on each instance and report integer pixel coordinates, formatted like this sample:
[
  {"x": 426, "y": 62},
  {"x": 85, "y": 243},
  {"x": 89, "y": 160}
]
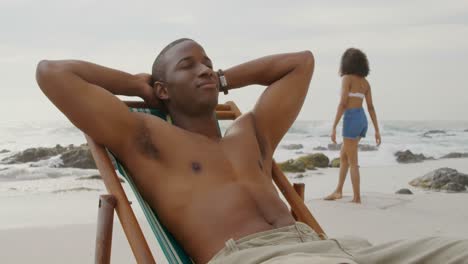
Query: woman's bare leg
[
  {"x": 344, "y": 165},
  {"x": 352, "y": 152}
]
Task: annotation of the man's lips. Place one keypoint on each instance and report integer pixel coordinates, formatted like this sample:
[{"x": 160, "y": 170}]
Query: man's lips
[{"x": 207, "y": 85}]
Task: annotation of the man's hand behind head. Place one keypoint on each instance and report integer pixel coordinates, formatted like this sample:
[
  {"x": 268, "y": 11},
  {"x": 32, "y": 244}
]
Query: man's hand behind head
[{"x": 147, "y": 93}]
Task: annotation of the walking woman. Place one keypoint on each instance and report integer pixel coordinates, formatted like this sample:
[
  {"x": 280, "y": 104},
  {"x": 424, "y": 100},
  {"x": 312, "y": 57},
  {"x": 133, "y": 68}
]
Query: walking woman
[{"x": 354, "y": 69}]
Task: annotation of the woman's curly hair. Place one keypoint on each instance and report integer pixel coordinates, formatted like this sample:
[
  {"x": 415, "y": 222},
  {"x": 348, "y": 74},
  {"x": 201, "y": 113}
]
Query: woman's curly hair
[{"x": 354, "y": 61}]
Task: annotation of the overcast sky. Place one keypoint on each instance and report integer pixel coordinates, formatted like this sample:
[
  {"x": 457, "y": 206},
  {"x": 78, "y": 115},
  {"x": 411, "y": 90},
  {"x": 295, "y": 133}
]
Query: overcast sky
[{"x": 418, "y": 50}]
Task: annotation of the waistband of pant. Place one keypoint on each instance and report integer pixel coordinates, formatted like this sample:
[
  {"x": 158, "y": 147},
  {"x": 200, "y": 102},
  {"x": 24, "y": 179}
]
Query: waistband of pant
[
  {"x": 299, "y": 227},
  {"x": 354, "y": 110},
  {"x": 297, "y": 233}
]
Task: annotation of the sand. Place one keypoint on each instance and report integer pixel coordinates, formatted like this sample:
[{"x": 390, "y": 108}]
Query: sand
[{"x": 60, "y": 228}]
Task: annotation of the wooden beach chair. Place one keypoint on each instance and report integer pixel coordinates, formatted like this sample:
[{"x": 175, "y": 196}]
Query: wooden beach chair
[{"x": 117, "y": 200}]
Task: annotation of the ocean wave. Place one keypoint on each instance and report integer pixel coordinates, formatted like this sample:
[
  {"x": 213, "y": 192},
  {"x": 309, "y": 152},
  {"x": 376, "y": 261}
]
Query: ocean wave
[
  {"x": 60, "y": 185},
  {"x": 396, "y": 136},
  {"x": 77, "y": 189},
  {"x": 24, "y": 172}
]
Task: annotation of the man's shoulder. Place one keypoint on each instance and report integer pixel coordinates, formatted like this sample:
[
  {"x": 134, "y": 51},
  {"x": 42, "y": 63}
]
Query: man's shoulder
[
  {"x": 243, "y": 123},
  {"x": 246, "y": 125}
]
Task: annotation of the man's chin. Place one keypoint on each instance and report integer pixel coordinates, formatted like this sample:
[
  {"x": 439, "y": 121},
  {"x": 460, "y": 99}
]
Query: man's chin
[{"x": 209, "y": 105}]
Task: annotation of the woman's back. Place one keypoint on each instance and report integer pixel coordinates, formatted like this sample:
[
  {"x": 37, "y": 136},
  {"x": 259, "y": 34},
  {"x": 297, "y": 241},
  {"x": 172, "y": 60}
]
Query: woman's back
[{"x": 358, "y": 88}]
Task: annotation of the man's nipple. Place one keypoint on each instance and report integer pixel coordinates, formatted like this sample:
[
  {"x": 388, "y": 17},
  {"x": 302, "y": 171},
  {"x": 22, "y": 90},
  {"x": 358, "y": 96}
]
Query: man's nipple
[{"x": 196, "y": 167}]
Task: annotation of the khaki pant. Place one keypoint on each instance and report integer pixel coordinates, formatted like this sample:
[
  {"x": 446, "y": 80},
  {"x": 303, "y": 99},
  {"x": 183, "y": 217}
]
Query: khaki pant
[{"x": 299, "y": 244}]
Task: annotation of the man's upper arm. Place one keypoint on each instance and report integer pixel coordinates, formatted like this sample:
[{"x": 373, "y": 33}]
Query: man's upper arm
[
  {"x": 279, "y": 105},
  {"x": 92, "y": 109}
]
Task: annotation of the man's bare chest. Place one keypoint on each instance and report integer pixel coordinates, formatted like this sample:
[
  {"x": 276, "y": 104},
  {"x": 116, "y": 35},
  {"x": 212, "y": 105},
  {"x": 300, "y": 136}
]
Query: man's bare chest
[{"x": 169, "y": 150}]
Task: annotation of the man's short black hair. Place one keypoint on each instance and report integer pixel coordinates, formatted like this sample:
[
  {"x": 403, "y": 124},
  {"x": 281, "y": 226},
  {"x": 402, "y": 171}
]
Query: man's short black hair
[
  {"x": 158, "y": 72},
  {"x": 354, "y": 61}
]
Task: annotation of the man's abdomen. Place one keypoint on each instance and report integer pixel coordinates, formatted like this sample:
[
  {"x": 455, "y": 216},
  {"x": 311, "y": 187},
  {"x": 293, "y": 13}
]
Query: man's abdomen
[{"x": 231, "y": 210}]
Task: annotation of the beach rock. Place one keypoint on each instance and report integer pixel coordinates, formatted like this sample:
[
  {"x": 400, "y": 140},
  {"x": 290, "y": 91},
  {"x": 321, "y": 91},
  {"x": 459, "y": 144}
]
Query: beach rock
[
  {"x": 299, "y": 152},
  {"x": 367, "y": 147},
  {"x": 320, "y": 148},
  {"x": 335, "y": 163},
  {"x": 34, "y": 154},
  {"x": 71, "y": 156},
  {"x": 292, "y": 166},
  {"x": 361, "y": 147},
  {"x": 445, "y": 179},
  {"x": 292, "y": 146},
  {"x": 408, "y": 157},
  {"x": 78, "y": 157},
  {"x": 315, "y": 160},
  {"x": 453, "y": 187},
  {"x": 466, "y": 130},
  {"x": 299, "y": 176},
  {"x": 453, "y": 155},
  {"x": 404, "y": 191},
  {"x": 4, "y": 151},
  {"x": 334, "y": 147}
]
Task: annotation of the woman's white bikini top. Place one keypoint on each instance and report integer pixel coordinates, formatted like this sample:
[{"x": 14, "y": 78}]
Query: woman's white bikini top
[{"x": 359, "y": 95}]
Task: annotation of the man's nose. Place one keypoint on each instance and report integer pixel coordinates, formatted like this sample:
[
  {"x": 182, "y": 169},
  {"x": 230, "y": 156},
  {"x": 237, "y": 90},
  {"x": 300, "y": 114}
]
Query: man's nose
[{"x": 205, "y": 71}]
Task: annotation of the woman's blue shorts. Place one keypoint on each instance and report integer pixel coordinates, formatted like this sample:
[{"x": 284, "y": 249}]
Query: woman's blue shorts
[{"x": 354, "y": 123}]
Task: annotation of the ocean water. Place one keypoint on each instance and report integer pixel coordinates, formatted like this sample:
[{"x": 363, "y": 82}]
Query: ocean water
[
  {"x": 41, "y": 176},
  {"x": 396, "y": 136}
]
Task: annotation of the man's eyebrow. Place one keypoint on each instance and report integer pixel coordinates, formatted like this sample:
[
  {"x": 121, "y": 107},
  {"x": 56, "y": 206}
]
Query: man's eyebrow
[
  {"x": 191, "y": 57},
  {"x": 206, "y": 58}
]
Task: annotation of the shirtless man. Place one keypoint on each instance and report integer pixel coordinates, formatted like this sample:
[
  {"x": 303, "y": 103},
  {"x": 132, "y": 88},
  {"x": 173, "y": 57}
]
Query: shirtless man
[
  {"x": 234, "y": 171},
  {"x": 217, "y": 189}
]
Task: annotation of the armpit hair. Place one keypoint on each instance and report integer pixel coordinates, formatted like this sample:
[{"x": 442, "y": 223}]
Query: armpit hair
[{"x": 144, "y": 142}]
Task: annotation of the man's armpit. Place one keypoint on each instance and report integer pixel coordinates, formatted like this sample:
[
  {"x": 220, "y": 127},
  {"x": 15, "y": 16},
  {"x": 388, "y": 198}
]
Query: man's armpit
[{"x": 144, "y": 141}]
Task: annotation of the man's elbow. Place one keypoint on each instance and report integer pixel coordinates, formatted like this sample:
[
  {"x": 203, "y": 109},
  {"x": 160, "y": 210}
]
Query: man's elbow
[
  {"x": 307, "y": 59},
  {"x": 45, "y": 71}
]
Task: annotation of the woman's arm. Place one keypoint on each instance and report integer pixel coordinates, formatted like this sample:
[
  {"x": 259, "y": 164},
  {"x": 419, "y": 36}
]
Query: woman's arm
[
  {"x": 345, "y": 88},
  {"x": 373, "y": 115}
]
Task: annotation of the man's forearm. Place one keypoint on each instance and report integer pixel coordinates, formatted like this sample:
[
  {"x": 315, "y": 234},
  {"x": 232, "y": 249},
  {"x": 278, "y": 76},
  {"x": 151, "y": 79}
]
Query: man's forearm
[
  {"x": 265, "y": 70},
  {"x": 115, "y": 81}
]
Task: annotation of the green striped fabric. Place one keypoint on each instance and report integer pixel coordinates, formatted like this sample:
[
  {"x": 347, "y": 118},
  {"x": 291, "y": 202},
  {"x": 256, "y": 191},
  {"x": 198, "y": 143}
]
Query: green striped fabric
[{"x": 175, "y": 254}]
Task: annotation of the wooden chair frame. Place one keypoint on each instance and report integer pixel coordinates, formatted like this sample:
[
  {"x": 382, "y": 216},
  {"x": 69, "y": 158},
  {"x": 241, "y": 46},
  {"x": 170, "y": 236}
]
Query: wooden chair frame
[{"x": 117, "y": 199}]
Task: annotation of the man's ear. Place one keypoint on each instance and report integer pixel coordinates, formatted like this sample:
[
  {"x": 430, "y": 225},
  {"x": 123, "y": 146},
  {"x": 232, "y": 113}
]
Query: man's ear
[{"x": 160, "y": 90}]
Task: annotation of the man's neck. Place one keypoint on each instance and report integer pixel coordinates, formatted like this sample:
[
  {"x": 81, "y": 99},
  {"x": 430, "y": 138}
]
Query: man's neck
[{"x": 205, "y": 125}]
